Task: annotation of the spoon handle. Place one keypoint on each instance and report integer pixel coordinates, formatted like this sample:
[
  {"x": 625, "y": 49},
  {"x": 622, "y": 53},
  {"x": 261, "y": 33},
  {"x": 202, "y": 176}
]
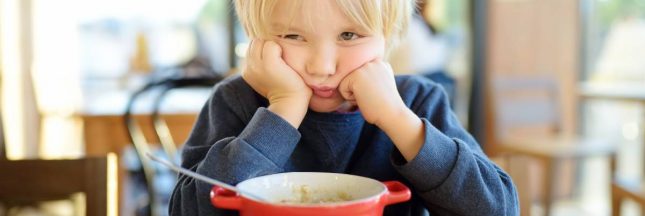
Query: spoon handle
[{"x": 200, "y": 176}]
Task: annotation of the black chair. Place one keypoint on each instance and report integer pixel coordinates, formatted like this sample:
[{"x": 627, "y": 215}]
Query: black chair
[{"x": 157, "y": 198}]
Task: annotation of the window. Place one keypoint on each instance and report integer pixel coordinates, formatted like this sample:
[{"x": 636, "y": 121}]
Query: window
[
  {"x": 614, "y": 50},
  {"x": 101, "y": 48}
]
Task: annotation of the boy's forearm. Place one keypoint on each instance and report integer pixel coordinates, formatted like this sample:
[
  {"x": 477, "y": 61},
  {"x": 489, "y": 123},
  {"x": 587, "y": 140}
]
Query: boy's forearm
[{"x": 406, "y": 131}]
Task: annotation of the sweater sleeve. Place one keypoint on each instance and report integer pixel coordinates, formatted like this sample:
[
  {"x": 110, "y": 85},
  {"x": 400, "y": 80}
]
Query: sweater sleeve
[
  {"x": 451, "y": 173},
  {"x": 224, "y": 146}
]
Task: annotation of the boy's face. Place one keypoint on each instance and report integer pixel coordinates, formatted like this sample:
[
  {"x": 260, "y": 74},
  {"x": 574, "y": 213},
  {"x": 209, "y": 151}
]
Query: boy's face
[{"x": 323, "y": 45}]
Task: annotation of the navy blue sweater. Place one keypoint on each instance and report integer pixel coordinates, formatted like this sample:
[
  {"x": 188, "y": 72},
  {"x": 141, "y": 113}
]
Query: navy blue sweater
[{"x": 236, "y": 138}]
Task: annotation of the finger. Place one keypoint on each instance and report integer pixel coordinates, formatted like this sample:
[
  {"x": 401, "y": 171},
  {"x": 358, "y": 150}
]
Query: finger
[
  {"x": 271, "y": 50},
  {"x": 254, "y": 54},
  {"x": 345, "y": 89},
  {"x": 249, "y": 50},
  {"x": 258, "y": 47},
  {"x": 272, "y": 54}
]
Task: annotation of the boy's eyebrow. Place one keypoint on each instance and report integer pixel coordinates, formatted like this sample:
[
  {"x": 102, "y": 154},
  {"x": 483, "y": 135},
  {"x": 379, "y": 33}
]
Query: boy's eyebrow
[
  {"x": 354, "y": 29},
  {"x": 347, "y": 28},
  {"x": 282, "y": 27}
]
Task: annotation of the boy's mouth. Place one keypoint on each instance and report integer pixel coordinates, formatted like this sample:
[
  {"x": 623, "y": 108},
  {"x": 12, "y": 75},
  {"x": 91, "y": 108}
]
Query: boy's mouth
[{"x": 323, "y": 92}]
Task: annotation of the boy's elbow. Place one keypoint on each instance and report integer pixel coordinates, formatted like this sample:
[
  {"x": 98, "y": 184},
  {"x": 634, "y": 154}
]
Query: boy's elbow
[
  {"x": 504, "y": 202},
  {"x": 509, "y": 201},
  {"x": 507, "y": 205},
  {"x": 513, "y": 207},
  {"x": 507, "y": 197}
]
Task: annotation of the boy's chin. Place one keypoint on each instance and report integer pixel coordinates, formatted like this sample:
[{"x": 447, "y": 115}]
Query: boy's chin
[{"x": 326, "y": 106}]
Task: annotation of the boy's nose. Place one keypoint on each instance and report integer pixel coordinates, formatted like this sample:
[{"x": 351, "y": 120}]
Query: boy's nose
[{"x": 322, "y": 63}]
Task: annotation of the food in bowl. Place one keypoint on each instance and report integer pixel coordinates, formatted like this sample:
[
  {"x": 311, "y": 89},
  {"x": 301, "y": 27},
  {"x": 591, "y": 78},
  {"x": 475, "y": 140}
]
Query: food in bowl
[{"x": 303, "y": 194}]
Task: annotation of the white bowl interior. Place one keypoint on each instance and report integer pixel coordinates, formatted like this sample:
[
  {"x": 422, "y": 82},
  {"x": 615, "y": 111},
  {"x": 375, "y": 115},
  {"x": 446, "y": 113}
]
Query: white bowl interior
[{"x": 313, "y": 188}]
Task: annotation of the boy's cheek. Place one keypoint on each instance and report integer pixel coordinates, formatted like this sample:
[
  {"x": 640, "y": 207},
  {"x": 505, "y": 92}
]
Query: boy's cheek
[
  {"x": 293, "y": 56},
  {"x": 355, "y": 59}
]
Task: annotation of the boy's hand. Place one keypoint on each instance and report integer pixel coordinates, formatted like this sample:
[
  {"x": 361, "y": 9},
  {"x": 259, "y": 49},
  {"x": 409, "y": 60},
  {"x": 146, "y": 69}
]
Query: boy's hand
[
  {"x": 373, "y": 89},
  {"x": 268, "y": 74}
]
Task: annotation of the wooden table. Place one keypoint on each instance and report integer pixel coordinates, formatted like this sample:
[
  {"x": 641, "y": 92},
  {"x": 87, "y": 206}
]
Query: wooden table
[{"x": 104, "y": 129}]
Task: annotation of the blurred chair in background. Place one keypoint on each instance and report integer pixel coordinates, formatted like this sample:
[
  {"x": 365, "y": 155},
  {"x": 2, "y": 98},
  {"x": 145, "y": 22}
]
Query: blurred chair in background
[
  {"x": 153, "y": 184},
  {"x": 29, "y": 182},
  {"x": 527, "y": 123},
  {"x": 623, "y": 189}
]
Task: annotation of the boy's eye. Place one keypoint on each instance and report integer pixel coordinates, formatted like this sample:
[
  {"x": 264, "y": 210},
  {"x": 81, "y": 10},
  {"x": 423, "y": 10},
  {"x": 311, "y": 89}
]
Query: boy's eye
[
  {"x": 293, "y": 37},
  {"x": 345, "y": 36}
]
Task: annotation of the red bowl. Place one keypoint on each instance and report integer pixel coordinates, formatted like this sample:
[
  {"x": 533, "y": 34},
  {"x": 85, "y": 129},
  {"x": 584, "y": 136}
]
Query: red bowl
[{"x": 312, "y": 194}]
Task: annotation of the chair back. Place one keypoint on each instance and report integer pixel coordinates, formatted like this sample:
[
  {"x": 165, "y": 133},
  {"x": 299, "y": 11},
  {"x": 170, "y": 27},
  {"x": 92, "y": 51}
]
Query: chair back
[
  {"x": 525, "y": 106},
  {"x": 25, "y": 182},
  {"x": 139, "y": 143},
  {"x": 3, "y": 154}
]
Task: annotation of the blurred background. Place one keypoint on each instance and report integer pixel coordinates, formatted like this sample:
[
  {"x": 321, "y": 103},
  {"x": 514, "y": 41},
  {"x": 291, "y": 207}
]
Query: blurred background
[{"x": 554, "y": 91}]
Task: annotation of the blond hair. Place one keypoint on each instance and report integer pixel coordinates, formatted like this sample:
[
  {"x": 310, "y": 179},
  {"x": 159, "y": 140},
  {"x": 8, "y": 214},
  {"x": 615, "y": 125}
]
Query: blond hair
[{"x": 389, "y": 17}]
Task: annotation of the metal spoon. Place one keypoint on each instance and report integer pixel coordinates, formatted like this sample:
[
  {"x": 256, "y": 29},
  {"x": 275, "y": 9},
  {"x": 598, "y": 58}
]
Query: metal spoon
[{"x": 204, "y": 178}]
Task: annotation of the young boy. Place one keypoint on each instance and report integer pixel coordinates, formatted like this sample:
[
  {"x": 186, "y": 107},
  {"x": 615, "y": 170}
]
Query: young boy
[{"x": 317, "y": 95}]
